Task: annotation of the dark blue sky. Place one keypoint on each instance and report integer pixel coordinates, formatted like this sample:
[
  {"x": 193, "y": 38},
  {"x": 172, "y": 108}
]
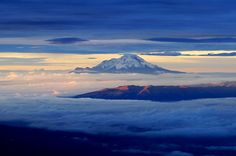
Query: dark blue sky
[{"x": 118, "y": 19}]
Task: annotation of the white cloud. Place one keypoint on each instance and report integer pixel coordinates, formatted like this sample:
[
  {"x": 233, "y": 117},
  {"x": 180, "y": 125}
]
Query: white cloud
[
  {"x": 12, "y": 76},
  {"x": 30, "y": 97},
  {"x": 22, "y": 61},
  {"x": 44, "y": 82},
  {"x": 117, "y": 41},
  {"x": 39, "y": 41},
  {"x": 215, "y": 117},
  {"x": 23, "y": 41}
]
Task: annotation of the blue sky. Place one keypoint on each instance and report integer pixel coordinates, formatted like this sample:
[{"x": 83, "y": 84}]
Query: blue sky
[{"x": 43, "y": 21}]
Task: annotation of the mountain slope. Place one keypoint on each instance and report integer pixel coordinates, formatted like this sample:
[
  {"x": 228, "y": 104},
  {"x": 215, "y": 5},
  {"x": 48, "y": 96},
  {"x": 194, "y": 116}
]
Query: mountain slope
[
  {"x": 165, "y": 93},
  {"x": 128, "y": 63}
]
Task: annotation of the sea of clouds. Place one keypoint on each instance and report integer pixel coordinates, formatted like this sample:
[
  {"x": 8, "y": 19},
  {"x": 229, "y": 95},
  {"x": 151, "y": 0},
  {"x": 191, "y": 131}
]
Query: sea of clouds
[
  {"x": 209, "y": 117},
  {"x": 32, "y": 99}
]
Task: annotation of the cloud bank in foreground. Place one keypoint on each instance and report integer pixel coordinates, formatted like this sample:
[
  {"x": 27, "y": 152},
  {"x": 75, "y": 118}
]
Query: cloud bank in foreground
[
  {"x": 215, "y": 117},
  {"x": 30, "y": 97}
]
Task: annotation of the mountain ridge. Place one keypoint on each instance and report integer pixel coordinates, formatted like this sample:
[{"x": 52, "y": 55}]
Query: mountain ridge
[
  {"x": 128, "y": 63},
  {"x": 164, "y": 93}
]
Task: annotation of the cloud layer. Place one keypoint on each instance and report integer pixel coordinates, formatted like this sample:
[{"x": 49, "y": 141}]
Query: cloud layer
[
  {"x": 195, "y": 40},
  {"x": 118, "y": 17},
  {"x": 191, "y": 118},
  {"x": 31, "y": 98},
  {"x": 177, "y": 22}
]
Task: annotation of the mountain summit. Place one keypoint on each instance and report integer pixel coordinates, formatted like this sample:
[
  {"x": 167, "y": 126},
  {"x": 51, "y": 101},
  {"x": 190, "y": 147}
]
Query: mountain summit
[{"x": 128, "y": 63}]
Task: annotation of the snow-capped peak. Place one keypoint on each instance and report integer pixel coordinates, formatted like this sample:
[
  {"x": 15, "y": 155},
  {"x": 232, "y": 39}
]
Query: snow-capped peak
[
  {"x": 128, "y": 63},
  {"x": 125, "y": 62}
]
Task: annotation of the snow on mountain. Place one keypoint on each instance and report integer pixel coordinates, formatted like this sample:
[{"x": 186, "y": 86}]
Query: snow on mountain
[{"x": 128, "y": 63}]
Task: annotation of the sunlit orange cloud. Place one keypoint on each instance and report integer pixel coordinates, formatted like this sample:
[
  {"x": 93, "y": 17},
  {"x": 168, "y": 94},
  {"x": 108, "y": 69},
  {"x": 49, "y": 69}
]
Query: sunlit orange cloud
[
  {"x": 170, "y": 59},
  {"x": 56, "y": 61},
  {"x": 71, "y": 61},
  {"x": 195, "y": 63}
]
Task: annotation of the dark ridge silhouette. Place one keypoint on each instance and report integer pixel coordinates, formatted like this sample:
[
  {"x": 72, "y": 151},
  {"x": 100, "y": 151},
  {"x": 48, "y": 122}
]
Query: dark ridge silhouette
[{"x": 165, "y": 93}]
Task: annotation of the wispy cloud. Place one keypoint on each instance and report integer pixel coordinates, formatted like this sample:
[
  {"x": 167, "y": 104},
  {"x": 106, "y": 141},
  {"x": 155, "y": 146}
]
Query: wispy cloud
[
  {"x": 21, "y": 61},
  {"x": 195, "y": 40},
  {"x": 66, "y": 40},
  {"x": 118, "y": 42},
  {"x": 219, "y": 54},
  {"x": 163, "y": 53},
  {"x": 167, "y": 53}
]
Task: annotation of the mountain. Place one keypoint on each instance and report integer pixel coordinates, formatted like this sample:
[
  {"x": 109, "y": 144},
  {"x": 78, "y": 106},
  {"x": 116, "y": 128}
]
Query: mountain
[
  {"x": 128, "y": 63},
  {"x": 165, "y": 93}
]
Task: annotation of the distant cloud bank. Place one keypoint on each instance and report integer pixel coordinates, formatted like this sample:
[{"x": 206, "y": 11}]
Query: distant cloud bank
[
  {"x": 181, "y": 54},
  {"x": 220, "y": 54},
  {"x": 195, "y": 40}
]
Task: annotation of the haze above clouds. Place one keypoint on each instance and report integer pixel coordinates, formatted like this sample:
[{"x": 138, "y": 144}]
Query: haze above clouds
[{"x": 50, "y": 61}]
